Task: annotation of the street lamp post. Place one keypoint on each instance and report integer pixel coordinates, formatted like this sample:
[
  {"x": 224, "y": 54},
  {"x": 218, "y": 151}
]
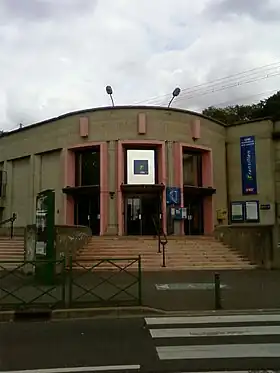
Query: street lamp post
[
  {"x": 109, "y": 91},
  {"x": 175, "y": 93}
]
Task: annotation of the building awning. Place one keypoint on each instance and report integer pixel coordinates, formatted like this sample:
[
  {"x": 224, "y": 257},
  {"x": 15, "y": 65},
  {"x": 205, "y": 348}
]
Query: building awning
[
  {"x": 142, "y": 188},
  {"x": 199, "y": 191},
  {"x": 82, "y": 190}
]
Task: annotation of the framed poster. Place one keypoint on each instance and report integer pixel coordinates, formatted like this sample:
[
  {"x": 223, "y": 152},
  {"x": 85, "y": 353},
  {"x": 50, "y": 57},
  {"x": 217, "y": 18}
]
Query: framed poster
[
  {"x": 252, "y": 211},
  {"x": 237, "y": 212},
  {"x": 141, "y": 166}
]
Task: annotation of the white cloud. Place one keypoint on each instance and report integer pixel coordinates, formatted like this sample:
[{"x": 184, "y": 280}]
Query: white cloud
[{"x": 59, "y": 56}]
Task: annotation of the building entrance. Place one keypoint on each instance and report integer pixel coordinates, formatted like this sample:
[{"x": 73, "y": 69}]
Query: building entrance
[
  {"x": 87, "y": 212},
  {"x": 142, "y": 214},
  {"x": 193, "y": 225}
]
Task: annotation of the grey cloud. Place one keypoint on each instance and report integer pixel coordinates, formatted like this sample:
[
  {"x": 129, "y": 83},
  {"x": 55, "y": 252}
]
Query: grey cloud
[
  {"x": 261, "y": 10},
  {"x": 39, "y": 10},
  {"x": 58, "y": 55}
]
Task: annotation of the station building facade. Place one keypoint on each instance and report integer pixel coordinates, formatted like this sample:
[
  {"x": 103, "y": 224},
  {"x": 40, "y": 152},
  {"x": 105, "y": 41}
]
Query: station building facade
[{"x": 123, "y": 170}]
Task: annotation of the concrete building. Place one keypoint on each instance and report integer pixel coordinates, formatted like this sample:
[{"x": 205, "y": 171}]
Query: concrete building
[{"x": 115, "y": 169}]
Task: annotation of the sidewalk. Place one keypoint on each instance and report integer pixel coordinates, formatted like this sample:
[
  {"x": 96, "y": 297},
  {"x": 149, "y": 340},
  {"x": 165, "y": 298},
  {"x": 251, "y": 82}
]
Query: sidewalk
[{"x": 165, "y": 291}]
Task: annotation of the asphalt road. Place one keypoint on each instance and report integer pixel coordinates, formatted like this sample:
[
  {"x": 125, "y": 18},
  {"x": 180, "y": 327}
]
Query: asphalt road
[{"x": 232, "y": 343}]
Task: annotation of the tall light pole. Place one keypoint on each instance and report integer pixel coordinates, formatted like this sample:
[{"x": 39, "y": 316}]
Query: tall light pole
[
  {"x": 175, "y": 93},
  {"x": 109, "y": 91}
]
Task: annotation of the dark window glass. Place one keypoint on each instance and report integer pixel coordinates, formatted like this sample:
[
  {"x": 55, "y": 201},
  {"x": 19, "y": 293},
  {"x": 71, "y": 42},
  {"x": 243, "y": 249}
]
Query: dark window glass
[
  {"x": 192, "y": 169},
  {"x": 88, "y": 168},
  {"x": 1, "y": 182}
]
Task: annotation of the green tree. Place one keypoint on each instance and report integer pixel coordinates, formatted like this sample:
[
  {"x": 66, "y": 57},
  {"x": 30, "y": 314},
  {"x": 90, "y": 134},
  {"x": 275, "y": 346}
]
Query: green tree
[{"x": 269, "y": 107}]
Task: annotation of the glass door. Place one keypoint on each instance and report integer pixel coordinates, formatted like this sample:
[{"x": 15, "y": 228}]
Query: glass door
[
  {"x": 151, "y": 215},
  {"x": 194, "y": 221},
  {"x": 133, "y": 216},
  {"x": 87, "y": 212},
  {"x": 94, "y": 214}
]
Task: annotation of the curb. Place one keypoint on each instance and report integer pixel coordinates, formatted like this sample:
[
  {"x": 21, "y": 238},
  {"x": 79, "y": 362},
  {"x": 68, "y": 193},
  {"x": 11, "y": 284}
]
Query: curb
[
  {"x": 115, "y": 312},
  {"x": 7, "y": 316}
]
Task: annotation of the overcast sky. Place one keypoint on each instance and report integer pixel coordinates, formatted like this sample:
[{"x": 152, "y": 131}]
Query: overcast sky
[{"x": 58, "y": 55}]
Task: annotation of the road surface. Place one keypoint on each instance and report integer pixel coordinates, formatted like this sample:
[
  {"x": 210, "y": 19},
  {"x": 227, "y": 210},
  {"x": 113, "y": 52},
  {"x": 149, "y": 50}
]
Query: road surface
[{"x": 162, "y": 344}]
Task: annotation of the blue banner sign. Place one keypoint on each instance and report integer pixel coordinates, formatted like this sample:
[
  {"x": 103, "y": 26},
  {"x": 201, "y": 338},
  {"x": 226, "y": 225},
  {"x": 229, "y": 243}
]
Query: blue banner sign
[
  {"x": 173, "y": 196},
  {"x": 248, "y": 165}
]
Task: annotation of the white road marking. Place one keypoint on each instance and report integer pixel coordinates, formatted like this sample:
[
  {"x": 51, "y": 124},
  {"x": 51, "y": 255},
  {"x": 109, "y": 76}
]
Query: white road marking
[
  {"x": 259, "y": 350},
  {"x": 189, "y": 286},
  {"x": 212, "y": 319},
  {"x": 77, "y": 369},
  {"x": 215, "y": 331},
  {"x": 239, "y": 371}
]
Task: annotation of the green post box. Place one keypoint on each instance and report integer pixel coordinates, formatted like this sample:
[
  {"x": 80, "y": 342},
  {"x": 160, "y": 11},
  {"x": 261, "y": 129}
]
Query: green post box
[{"x": 45, "y": 237}]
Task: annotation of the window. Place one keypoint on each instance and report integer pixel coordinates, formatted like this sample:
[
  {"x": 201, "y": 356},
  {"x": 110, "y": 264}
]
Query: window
[
  {"x": 192, "y": 169},
  {"x": 88, "y": 168},
  {"x": 3, "y": 183}
]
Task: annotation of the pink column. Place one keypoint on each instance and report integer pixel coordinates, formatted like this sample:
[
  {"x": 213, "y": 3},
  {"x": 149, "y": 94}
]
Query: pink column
[
  {"x": 120, "y": 180},
  {"x": 178, "y": 175},
  {"x": 207, "y": 181},
  {"x": 104, "y": 192},
  {"x": 69, "y": 180},
  {"x": 162, "y": 179}
]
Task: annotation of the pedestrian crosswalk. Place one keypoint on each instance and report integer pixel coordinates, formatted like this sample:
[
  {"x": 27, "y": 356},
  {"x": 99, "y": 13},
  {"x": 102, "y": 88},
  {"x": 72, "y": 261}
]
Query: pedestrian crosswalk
[{"x": 228, "y": 342}]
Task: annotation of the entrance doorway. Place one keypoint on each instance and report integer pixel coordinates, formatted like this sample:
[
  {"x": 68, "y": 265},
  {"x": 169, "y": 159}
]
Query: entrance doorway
[
  {"x": 142, "y": 214},
  {"x": 87, "y": 212},
  {"x": 193, "y": 225}
]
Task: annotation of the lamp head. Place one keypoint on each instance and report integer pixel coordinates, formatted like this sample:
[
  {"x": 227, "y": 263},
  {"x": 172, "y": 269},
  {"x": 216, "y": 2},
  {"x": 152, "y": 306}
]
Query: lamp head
[
  {"x": 109, "y": 90},
  {"x": 176, "y": 92}
]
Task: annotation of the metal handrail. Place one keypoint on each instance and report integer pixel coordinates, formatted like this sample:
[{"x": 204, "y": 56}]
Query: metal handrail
[
  {"x": 10, "y": 220},
  {"x": 162, "y": 240}
]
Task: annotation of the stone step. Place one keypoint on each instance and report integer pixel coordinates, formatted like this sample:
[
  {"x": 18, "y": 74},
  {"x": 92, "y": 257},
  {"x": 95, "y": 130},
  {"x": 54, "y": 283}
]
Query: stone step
[
  {"x": 8, "y": 238},
  {"x": 181, "y": 253},
  {"x": 11, "y": 256},
  {"x": 170, "y": 260},
  {"x": 11, "y": 244},
  {"x": 89, "y": 255},
  {"x": 168, "y": 268},
  {"x": 10, "y": 266},
  {"x": 11, "y": 250},
  {"x": 154, "y": 248}
]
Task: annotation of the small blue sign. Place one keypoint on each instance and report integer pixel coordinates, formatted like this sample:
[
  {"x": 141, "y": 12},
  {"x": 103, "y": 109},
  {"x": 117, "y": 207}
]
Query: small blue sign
[
  {"x": 173, "y": 196},
  {"x": 248, "y": 165},
  {"x": 141, "y": 167}
]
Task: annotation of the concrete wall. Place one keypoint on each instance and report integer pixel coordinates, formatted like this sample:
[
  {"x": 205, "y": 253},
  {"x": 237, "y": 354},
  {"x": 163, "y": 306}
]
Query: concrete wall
[
  {"x": 20, "y": 195},
  {"x": 28, "y": 176},
  {"x": 262, "y": 131},
  {"x": 68, "y": 241},
  {"x": 276, "y": 143},
  {"x": 254, "y": 242},
  {"x": 46, "y": 167},
  {"x": 52, "y": 178}
]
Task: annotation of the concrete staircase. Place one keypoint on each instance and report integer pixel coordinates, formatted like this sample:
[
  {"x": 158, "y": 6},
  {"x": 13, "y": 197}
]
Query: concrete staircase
[
  {"x": 182, "y": 253},
  {"x": 11, "y": 250}
]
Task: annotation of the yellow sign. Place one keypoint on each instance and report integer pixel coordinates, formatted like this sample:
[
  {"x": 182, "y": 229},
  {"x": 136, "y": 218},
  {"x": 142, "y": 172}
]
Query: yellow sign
[{"x": 222, "y": 214}]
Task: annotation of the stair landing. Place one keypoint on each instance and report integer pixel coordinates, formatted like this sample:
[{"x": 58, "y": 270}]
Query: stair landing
[{"x": 182, "y": 253}]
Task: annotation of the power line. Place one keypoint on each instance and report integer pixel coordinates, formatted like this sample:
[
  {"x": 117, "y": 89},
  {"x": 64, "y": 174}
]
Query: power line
[
  {"x": 238, "y": 99},
  {"x": 232, "y": 85},
  {"x": 216, "y": 82},
  {"x": 218, "y": 88},
  {"x": 245, "y": 73}
]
